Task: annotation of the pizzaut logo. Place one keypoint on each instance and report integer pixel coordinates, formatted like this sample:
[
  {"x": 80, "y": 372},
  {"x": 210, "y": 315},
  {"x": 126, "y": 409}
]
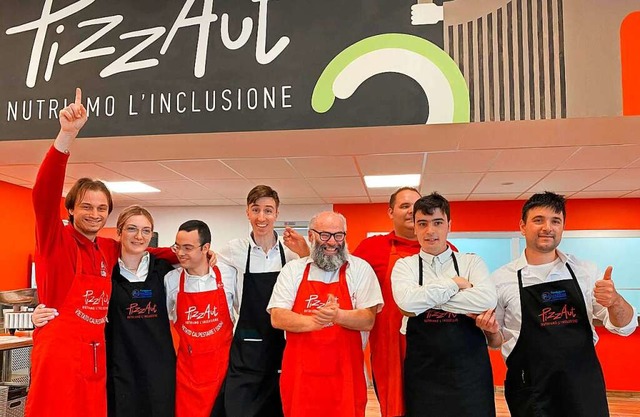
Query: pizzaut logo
[{"x": 551, "y": 296}]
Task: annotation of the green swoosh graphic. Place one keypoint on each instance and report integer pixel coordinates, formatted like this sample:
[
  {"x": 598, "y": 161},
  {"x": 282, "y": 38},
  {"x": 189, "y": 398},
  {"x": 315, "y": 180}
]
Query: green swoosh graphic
[{"x": 323, "y": 98}]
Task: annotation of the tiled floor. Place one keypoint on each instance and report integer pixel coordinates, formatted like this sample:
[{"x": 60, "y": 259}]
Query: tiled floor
[{"x": 620, "y": 405}]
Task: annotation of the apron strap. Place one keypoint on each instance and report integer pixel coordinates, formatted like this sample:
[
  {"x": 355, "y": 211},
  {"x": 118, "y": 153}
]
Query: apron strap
[{"x": 283, "y": 259}]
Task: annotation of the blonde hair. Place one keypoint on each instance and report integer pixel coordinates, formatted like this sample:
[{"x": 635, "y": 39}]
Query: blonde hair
[{"x": 131, "y": 211}]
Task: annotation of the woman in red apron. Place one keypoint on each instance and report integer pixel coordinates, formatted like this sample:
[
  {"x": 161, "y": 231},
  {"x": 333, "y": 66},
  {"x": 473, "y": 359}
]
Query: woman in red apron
[
  {"x": 314, "y": 383},
  {"x": 205, "y": 328}
]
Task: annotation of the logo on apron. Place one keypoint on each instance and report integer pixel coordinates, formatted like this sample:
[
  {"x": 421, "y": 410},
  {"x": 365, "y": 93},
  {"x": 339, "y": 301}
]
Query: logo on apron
[
  {"x": 565, "y": 315},
  {"x": 439, "y": 316},
  {"x": 142, "y": 293},
  {"x": 550, "y": 296},
  {"x": 135, "y": 311}
]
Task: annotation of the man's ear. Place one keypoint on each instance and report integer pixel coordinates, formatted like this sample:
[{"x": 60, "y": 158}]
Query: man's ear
[{"x": 390, "y": 212}]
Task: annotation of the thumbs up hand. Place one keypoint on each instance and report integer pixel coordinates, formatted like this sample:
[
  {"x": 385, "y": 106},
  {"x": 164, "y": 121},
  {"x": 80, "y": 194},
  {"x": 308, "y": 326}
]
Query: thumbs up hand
[{"x": 605, "y": 292}]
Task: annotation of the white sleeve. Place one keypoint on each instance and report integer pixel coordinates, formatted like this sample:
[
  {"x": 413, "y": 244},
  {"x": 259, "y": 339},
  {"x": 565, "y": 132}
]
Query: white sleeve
[
  {"x": 413, "y": 298},
  {"x": 229, "y": 275},
  {"x": 285, "y": 289},
  {"x": 367, "y": 288},
  {"x": 171, "y": 284},
  {"x": 481, "y": 297}
]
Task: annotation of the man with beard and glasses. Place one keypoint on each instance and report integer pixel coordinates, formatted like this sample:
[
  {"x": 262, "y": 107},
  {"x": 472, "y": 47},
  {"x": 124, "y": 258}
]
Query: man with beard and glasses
[
  {"x": 543, "y": 323},
  {"x": 326, "y": 303}
]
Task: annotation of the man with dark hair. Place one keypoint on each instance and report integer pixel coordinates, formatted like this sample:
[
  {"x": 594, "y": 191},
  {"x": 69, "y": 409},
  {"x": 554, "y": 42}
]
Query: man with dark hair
[
  {"x": 543, "y": 322},
  {"x": 447, "y": 370},
  {"x": 386, "y": 342},
  {"x": 200, "y": 303},
  {"x": 324, "y": 302},
  {"x": 252, "y": 386}
]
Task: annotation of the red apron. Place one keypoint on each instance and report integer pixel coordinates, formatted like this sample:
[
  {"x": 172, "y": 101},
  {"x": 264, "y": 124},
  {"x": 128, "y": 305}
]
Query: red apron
[
  {"x": 205, "y": 330},
  {"x": 323, "y": 371},
  {"x": 68, "y": 362},
  {"x": 388, "y": 346}
]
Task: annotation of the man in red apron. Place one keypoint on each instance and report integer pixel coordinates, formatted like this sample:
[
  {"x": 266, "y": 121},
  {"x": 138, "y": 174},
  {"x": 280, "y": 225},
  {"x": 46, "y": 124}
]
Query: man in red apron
[
  {"x": 447, "y": 372},
  {"x": 73, "y": 276},
  {"x": 324, "y": 302},
  {"x": 198, "y": 302},
  {"x": 386, "y": 342},
  {"x": 543, "y": 322}
]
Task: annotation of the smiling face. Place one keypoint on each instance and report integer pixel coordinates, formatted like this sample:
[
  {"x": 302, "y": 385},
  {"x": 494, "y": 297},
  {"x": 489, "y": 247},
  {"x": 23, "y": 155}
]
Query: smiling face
[
  {"x": 432, "y": 231},
  {"x": 262, "y": 215},
  {"x": 191, "y": 254},
  {"x": 402, "y": 213},
  {"x": 90, "y": 213},
  {"x": 135, "y": 235},
  {"x": 542, "y": 229}
]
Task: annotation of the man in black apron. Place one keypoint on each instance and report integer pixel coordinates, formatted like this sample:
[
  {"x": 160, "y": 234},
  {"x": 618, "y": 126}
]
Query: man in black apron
[
  {"x": 543, "y": 322},
  {"x": 447, "y": 371},
  {"x": 252, "y": 385}
]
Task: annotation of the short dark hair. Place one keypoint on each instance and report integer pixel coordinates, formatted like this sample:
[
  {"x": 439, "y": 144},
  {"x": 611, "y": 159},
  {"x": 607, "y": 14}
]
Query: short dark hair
[
  {"x": 555, "y": 202},
  {"x": 429, "y": 203},
  {"x": 77, "y": 192},
  {"x": 261, "y": 191},
  {"x": 392, "y": 199},
  {"x": 204, "y": 233}
]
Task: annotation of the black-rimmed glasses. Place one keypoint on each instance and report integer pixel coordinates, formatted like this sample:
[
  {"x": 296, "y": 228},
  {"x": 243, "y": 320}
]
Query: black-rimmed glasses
[{"x": 325, "y": 236}]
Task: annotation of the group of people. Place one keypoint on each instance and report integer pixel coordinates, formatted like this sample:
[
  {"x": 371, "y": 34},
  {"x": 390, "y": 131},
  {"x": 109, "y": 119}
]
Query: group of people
[{"x": 272, "y": 326}]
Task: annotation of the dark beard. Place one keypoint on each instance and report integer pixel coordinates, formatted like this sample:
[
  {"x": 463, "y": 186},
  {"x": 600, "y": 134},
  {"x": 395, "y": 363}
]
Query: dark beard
[{"x": 329, "y": 262}]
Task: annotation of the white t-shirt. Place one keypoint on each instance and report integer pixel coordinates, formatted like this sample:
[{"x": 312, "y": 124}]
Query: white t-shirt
[{"x": 361, "y": 281}]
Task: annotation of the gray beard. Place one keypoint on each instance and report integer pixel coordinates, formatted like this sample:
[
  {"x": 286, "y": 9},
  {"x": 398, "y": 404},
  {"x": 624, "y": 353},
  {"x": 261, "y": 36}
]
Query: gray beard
[{"x": 329, "y": 262}]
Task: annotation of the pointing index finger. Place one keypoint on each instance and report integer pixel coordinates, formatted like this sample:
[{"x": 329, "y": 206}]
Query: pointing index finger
[{"x": 78, "y": 96}]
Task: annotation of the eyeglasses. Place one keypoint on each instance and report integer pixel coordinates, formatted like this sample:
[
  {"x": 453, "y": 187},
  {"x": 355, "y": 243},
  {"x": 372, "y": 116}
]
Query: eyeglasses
[
  {"x": 184, "y": 248},
  {"x": 325, "y": 236},
  {"x": 133, "y": 230}
]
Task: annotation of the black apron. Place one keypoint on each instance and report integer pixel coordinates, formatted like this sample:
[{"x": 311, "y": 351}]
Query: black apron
[
  {"x": 253, "y": 382},
  {"x": 141, "y": 361},
  {"x": 447, "y": 371},
  {"x": 553, "y": 369}
]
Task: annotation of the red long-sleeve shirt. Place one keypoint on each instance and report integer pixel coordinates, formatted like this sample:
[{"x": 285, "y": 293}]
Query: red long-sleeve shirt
[
  {"x": 58, "y": 245},
  {"x": 376, "y": 249}
]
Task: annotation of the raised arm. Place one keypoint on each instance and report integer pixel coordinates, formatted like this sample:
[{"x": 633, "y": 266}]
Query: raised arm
[{"x": 47, "y": 189}]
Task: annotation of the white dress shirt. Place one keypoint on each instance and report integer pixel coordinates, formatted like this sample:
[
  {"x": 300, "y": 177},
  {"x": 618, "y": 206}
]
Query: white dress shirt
[
  {"x": 140, "y": 274},
  {"x": 438, "y": 290},
  {"x": 509, "y": 312},
  {"x": 235, "y": 255},
  {"x": 199, "y": 284}
]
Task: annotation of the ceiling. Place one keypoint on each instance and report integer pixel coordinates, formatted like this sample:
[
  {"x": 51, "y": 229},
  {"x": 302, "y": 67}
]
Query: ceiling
[{"x": 581, "y": 158}]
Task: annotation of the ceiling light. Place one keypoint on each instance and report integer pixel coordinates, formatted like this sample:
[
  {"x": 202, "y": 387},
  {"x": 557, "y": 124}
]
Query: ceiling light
[
  {"x": 130, "y": 187},
  {"x": 392, "y": 181}
]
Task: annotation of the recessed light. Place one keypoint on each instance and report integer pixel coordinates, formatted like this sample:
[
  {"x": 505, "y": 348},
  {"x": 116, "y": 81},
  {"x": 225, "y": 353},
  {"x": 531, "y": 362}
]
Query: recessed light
[
  {"x": 392, "y": 181},
  {"x": 130, "y": 187}
]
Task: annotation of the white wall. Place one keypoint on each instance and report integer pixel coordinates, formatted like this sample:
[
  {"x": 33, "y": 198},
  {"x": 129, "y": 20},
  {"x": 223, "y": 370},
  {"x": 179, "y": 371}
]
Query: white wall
[{"x": 225, "y": 222}]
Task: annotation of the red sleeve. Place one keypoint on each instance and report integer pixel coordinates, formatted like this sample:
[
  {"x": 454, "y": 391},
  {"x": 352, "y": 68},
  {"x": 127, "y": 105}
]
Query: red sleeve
[
  {"x": 164, "y": 253},
  {"x": 46, "y": 195}
]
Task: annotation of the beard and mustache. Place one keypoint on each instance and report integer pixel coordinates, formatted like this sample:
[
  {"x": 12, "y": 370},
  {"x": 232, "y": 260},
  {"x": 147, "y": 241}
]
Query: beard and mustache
[{"x": 329, "y": 262}]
